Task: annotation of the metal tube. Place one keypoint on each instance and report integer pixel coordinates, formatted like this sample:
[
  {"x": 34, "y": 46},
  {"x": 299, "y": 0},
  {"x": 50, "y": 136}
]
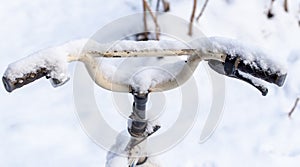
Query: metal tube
[
  {"x": 137, "y": 127},
  {"x": 138, "y": 117}
]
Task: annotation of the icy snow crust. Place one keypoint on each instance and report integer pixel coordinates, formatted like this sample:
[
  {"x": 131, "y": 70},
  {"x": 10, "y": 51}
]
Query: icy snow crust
[{"x": 140, "y": 73}]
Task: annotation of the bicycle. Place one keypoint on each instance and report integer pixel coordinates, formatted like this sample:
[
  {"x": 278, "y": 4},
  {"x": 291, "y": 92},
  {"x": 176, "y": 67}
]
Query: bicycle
[{"x": 226, "y": 57}]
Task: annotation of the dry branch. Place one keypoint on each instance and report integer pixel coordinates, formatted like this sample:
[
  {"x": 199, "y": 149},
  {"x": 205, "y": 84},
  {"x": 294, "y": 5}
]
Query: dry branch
[
  {"x": 299, "y": 14},
  {"x": 147, "y": 7},
  {"x": 192, "y": 18},
  {"x": 202, "y": 10},
  {"x": 285, "y": 5},
  {"x": 269, "y": 13},
  {"x": 145, "y": 19},
  {"x": 294, "y": 107},
  {"x": 166, "y": 5},
  {"x": 157, "y": 5}
]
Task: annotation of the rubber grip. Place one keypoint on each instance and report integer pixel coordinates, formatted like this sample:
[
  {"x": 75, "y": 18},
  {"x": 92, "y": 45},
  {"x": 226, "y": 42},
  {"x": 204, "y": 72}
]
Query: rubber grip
[
  {"x": 26, "y": 79},
  {"x": 255, "y": 69}
]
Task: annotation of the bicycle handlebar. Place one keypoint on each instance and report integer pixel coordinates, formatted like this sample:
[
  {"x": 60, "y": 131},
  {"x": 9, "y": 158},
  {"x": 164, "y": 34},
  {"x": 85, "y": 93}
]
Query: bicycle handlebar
[{"x": 226, "y": 64}]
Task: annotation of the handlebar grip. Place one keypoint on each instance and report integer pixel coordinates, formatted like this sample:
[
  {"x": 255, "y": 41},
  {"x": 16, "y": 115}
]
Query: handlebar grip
[
  {"x": 11, "y": 85},
  {"x": 26, "y": 79},
  {"x": 255, "y": 69},
  {"x": 219, "y": 67}
]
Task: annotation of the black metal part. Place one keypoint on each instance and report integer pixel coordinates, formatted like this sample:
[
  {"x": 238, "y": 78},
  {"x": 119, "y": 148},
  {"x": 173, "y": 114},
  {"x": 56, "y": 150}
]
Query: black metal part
[
  {"x": 140, "y": 101},
  {"x": 142, "y": 161},
  {"x": 231, "y": 68},
  {"x": 138, "y": 124},
  {"x": 261, "y": 88},
  {"x": 136, "y": 142},
  {"x": 267, "y": 75},
  {"x": 137, "y": 127},
  {"x": 217, "y": 66},
  {"x": 233, "y": 63},
  {"x": 56, "y": 82}
]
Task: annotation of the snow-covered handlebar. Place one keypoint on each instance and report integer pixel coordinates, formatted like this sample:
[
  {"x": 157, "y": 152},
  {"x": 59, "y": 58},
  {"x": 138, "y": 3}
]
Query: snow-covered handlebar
[
  {"x": 26, "y": 79},
  {"x": 232, "y": 64},
  {"x": 225, "y": 56},
  {"x": 19, "y": 82},
  {"x": 237, "y": 67}
]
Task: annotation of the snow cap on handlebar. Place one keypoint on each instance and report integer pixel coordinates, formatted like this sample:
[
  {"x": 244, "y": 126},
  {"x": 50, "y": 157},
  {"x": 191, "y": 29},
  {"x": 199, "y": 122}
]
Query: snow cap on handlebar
[{"x": 51, "y": 63}]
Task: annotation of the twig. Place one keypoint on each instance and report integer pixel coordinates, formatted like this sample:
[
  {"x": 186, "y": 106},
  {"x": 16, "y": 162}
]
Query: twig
[
  {"x": 299, "y": 14},
  {"x": 147, "y": 7},
  {"x": 157, "y": 8},
  {"x": 294, "y": 107},
  {"x": 157, "y": 5},
  {"x": 269, "y": 13},
  {"x": 166, "y": 5},
  {"x": 192, "y": 18},
  {"x": 145, "y": 19},
  {"x": 285, "y": 5},
  {"x": 202, "y": 10}
]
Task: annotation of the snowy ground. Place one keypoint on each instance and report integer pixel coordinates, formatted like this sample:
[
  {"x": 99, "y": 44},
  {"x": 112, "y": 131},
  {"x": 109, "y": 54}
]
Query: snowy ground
[{"x": 40, "y": 128}]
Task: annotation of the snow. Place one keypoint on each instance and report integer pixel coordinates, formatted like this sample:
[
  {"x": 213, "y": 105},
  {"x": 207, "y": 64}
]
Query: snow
[
  {"x": 255, "y": 81},
  {"x": 54, "y": 60},
  {"x": 120, "y": 145},
  {"x": 42, "y": 129},
  {"x": 140, "y": 73},
  {"x": 248, "y": 53}
]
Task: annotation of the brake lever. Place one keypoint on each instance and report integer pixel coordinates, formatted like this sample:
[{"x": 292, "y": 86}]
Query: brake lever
[
  {"x": 218, "y": 66},
  {"x": 234, "y": 66}
]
